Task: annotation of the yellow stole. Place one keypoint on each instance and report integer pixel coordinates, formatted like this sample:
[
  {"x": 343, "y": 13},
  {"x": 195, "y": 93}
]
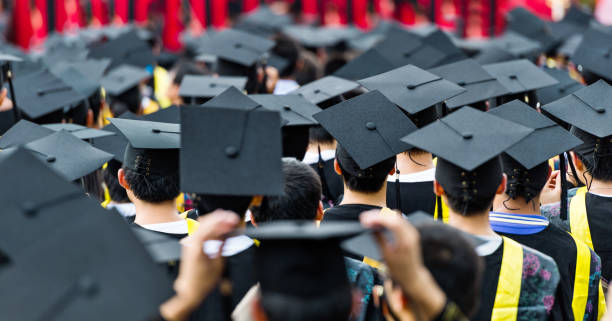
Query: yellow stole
[
  {"x": 192, "y": 225},
  {"x": 445, "y": 216},
  {"x": 508, "y": 293}
]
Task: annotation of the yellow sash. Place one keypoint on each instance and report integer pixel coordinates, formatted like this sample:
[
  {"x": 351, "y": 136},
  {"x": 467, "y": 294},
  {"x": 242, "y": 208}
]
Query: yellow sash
[
  {"x": 445, "y": 216},
  {"x": 508, "y": 293},
  {"x": 579, "y": 224},
  {"x": 192, "y": 225},
  {"x": 581, "y": 280}
]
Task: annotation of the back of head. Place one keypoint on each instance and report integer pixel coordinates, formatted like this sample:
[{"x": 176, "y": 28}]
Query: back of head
[
  {"x": 522, "y": 182},
  {"x": 454, "y": 264},
  {"x": 300, "y": 198},
  {"x": 152, "y": 174},
  {"x": 208, "y": 203},
  {"x": 369, "y": 180},
  {"x": 596, "y": 154},
  {"x": 318, "y": 134},
  {"x": 186, "y": 68},
  {"x": 288, "y": 49},
  {"x": 332, "y": 306}
]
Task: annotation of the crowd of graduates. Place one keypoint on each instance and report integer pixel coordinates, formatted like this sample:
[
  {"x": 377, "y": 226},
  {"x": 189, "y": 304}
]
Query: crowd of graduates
[{"x": 276, "y": 171}]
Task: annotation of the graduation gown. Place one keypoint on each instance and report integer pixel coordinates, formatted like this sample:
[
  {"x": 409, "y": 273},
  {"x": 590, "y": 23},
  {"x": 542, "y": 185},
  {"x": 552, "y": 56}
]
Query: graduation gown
[
  {"x": 347, "y": 212},
  {"x": 331, "y": 182},
  {"x": 414, "y": 196},
  {"x": 534, "y": 281},
  {"x": 560, "y": 246}
]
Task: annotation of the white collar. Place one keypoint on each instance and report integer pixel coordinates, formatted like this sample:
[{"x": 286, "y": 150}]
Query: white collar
[
  {"x": 600, "y": 195},
  {"x": 285, "y": 86},
  {"x": 232, "y": 246},
  {"x": 423, "y": 176},
  {"x": 313, "y": 158},
  {"x": 491, "y": 245},
  {"x": 177, "y": 227},
  {"x": 125, "y": 209}
]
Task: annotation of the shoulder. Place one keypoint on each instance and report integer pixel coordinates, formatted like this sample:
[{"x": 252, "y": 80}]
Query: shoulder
[{"x": 537, "y": 265}]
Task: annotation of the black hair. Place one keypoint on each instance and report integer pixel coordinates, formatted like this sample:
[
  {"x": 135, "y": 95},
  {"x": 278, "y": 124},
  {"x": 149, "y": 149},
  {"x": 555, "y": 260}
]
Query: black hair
[
  {"x": 127, "y": 101},
  {"x": 117, "y": 192},
  {"x": 300, "y": 198},
  {"x": 454, "y": 265},
  {"x": 599, "y": 167},
  {"x": 187, "y": 68},
  {"x": 208, "y": 203},
  {"x": 334, "y": 63},
  {"x": 368, "y": 183},
  {"x": 522, "y": 182},
  {"x": 310, "y": 71},
  {"x": 92, "y": 184},
  {"x": 466, "y": 208},
  {"x": 318, "y": 134},
  {"x": 596, "y": 154},
  {"x": 332, "y": 306},
  {"x": 153, "y": 188},
  {"x": 288, "y": 49}
]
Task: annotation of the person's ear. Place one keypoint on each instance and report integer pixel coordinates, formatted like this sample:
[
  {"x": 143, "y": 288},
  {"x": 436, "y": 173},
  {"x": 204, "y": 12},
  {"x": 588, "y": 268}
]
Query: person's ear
[
  {"x": 438, "y": 189},
  {"x": 90, "y": 122},
  {"x": 337, "y": 167},
  {"x": 392, "y": 171},
  {"x": 501, "y": 189},
  {"x": 320, "y": 212},
  {"x": 122, "y": 181},
  {"x": 258, "y": 312}
]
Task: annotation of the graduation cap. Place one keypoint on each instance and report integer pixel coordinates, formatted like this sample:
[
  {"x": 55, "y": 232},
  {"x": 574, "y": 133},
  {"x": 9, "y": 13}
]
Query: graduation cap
[
  {"x": 123, "y": 78},
  {"x": 321, "y": 37},
  {"x": 7, "y": 120},
  {"x": 244, "y": 161},
  {"x": 403, "y": 48},
  {"x": 520, "y": 76},
  {"x": 263, "y": 22},
  {"x": 79, "y": 131},
  {"x": 368, "y": 127},
  {"x": 412, "y": 88},
  {"x": 594, "y": 54},
  {"x": 94, "y": 69},
  {"x": 234, "y": 99},
  {"x": 550, "y": 138},
  {"x": 68, "y": 155},
  {"x": 479, "y": 84},
  {"x": 521, "y": 21},
  {"x": 566, "y": 86},
  {"x": 114, "y": 144},
  {"x": 575, "y": 21},
  {"x": 308, "y": 257},
  {"x": 128, "y": 48},
  {"x": 205, "y": 87},
  {"x": 494, "y": 54},
  {"x": 518, "y": 45},
  {"x": 324, "y": 89},
  {"x": 82, "y": 84},
  {"x": 153, "y": 146},
  {"x": 588, "y": 109},
  {"x": 23, "y": 132},
  {"x": 50, "y": 94},
  {"x": 441, "y": 41},
  {"x": 569, "y": 46},
  {"x": 170, "y": 115},
  {"x": 81, "y": 268},
  {"x": 161, "y": 247},
  {"x": 367, "y": 64}
]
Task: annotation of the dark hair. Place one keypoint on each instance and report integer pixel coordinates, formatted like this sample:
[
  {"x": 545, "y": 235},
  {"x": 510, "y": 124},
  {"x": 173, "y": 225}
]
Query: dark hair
[
  {"x": 369, "y": 183},
  {"x": 473, "y": 206},
  {"x": 311, "y": 69},
  {"x": 127, "y": 101},
  {"x": 186, "y": 68},
  {"x": 600, "y": 167},
  {"x": 453, "y": 263},
  {"x": 209, "y": 203},
  {"x": 300, "y": 198},
  {"x": 334, "y": 63},
  {"x": 288, "y": 49},
  {"x": 117, "y": 192},
  {"x": 153, "y": 188},
  {"x": 318, "y": 134},
  {"x": 333, "y": 306},
  {"x": 522, "y": 182},
  {"x": 595, "y": 153}
]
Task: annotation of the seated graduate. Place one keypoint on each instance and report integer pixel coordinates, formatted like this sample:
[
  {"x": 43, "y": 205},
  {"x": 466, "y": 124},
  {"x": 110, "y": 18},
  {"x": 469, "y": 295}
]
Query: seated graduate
[
  {"x": 234, "y": 170},
  {"x": 516, "y": 213},
  {"x": 468, "y": 176},
  {"x": 365, "y": 155},
  {"x": 301, "y": 200},
  {"x": 320, "y": 156},
  {"x": 150, "y": 176},
  {"x": 589, "y": 206}
]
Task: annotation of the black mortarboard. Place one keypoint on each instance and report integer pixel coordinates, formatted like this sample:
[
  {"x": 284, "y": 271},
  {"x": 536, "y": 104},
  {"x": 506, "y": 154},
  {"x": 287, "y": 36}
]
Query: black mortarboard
[
  {"x": 402, "y": 48},
  {"x": 518, "y": 45},
  {"x": 114, "y": 144},
  {"x": 521, "y": 21},
  {"x": 520, "y": 76},
  {"x": 569, "y": 45},
  {"x": 123, "y": 78},
  {"x": 128, "y": 48},
  {"x": 244, "y": 161},
  {"x": 594, "y": 54},
  {"x": 237, "y": 48},
  {"x": 92, "y": 68},
  {"x": 566, "y": 86},
  {"x": 368, "y": 127},
  {"x": 468, "y": 138},
  {"x": 479, "y": 84},
  {"x": 79, "y": 131},
  {"x": 161, "y": 247},
  {"x": 206, "y": 87},
  {"x": 308, "y": 257},
  {"x": 68, "y": 155},
  {"x": 153, "y": 146},
  {"x": 263, "y": 22},
  {"x": 549, "y": 138},
  {"x": 23, "y": 132},
  {"x": 441, "y": 41},
  {"x": 412, "y": 88},
  {"x": 170, "y": 115},
  {"x": 575, "y": 21},
  {"x": 324, "y": 89},
  {"x": 589, "y": 109},
  {"x": 7, "y": 120},
  {"x": 321, "y": 37},
  {"x": 79, "y": 82},
  {"x": 232, "y": 98},
  {"x": 493, "y": 54},
  {"x": 50, "y": 94},
  {"x": 367, "y": 64}
]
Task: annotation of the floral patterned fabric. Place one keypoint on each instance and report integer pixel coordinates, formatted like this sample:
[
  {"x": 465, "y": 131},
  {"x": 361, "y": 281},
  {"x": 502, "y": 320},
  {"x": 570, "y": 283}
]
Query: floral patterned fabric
[
  {"x": 363, "y": 278},
  {"x": 553, "y": 211},
  {"x": 540, "y": 280}
]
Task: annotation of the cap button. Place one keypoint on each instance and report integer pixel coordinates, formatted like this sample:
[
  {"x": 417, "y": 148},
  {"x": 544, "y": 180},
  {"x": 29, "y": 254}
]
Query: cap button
[
  {"x": 155, "y": 130},
  {"x": 370, "y": 125},
  {"x": 231, "y": 151},
  {"x": 286, "y": 108},
  {"x": 411, "y": 87},
  {"x": 316, "y": 91},
  {"x": 467, "y": 135},
  {"x": 87, "y": 285},
  {"x": 407, "y": 54},
  {"x": 238, "y": 45},
  {"x": 212, "y": 85},
  {"x": 512, "y": 77},
  {"x": 51, "y": 159},
  {"x": 29, "y": 208},
  {"x": 600, "y": 110},
  {"x": 461, "y": 83}
]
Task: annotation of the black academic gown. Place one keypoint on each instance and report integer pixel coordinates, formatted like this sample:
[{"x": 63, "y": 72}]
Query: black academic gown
[
  {"x": 417, "y": 196},
  {"x": 333, "y": 187},
  {"x": 347, "y": 212},
  {"x": 599, "y": 211},
  {"x": 488, "y": 288},
  {"x": 560, "y": 246}
]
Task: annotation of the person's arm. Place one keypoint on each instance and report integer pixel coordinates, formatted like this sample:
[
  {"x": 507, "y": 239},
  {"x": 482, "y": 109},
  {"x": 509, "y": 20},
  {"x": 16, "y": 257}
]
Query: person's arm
[{"x": 198, "y": 273}]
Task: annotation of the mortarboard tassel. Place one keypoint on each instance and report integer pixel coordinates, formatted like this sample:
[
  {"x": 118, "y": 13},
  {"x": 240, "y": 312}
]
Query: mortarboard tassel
[
  {"x": 325, "y": 188},
  {"x": 562, "y": 167},
  {"x": 398, "y": 194}
]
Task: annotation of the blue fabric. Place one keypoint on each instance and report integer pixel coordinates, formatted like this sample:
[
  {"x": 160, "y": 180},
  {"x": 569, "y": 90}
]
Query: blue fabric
[{"x": 517, "y": 223}]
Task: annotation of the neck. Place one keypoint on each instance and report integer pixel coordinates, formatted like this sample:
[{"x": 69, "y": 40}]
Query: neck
[
  {"x": 416, "y": 162},
  {"x": 377, "y": 199},
  {"x": 601, "y": 187},
  {"x": 155, "y": 213},
  {"x": 475, "y": 224},
  {"x": 505, "y": 204},
  {"x": 313, "y": 147}
]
